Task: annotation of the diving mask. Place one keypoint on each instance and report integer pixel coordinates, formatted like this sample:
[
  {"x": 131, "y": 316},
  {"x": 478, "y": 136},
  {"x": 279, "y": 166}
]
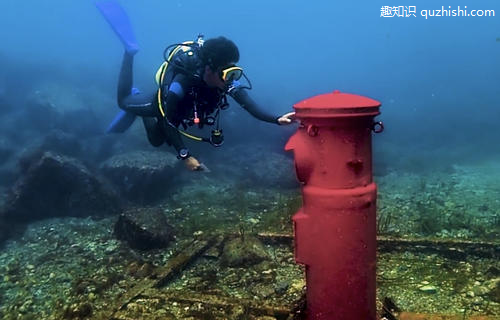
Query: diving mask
[{"x": 231, "y": 74}]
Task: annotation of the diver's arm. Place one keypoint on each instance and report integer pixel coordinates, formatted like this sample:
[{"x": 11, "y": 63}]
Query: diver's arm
[
  {"x": 241, "y": 96},
  {"x": 171, "y": 100}
]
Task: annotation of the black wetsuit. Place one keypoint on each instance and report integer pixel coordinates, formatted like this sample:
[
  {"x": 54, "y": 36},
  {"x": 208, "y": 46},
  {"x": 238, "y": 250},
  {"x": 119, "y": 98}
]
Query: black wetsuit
[{"x": 180, "y": 92}]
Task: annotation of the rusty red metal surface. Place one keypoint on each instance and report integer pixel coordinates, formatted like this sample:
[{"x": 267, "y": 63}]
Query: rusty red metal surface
[{"x": 335, "y": 230}]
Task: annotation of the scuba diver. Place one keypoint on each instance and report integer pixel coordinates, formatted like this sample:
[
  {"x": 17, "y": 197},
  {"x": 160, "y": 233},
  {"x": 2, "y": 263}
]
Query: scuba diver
[{"x": 193, "y": 84}]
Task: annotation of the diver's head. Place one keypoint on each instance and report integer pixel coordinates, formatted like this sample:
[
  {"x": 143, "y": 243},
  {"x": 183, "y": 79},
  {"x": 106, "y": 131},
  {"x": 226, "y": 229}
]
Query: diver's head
[{"x": 218, "y": 55}]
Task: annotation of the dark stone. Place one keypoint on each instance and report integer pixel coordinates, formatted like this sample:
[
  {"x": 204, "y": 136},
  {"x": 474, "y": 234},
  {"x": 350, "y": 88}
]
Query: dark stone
[
  {"x": 262, "y": 290},
  {"x": 9, "y": 229},
  {"x": 61, "y": 142},
  {"x": 55, "y": 186},
  {"x": 83, "y": 310},
  {"x": 495, "y": 292},
  {"x": 4, "y": 230},
  {"x": 8, "y": 176},
  {"x": 281, "y": 287},
  {"x": 28, "y": 158},
  {"x": 81, "y": 122},
  {"x": 145, "y": 270},
  {"x": 144, "y": 228},
  {"x": 252, "y": 165},
  {"x": 243, "y": 252},
  {"x": 38, "y": 115},
  {"x": 493, "y": 272},
  {"x": 142, "y": 176},
  {"x": 6, "y": 150},
  {"x": 103, "y": 147}
]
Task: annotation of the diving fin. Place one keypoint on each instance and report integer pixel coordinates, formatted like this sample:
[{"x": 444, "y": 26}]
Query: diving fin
[
  {"x": 123, "y": 120},
  {"x": 120, "y": 23}
]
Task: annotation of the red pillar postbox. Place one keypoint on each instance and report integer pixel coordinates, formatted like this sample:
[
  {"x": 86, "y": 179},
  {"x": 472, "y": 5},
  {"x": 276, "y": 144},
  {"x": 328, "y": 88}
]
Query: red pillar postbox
[{"x": 335, "y": 230}]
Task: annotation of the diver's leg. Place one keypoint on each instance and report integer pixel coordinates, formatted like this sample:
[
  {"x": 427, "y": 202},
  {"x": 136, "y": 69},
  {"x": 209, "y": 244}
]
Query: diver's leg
[
  {"x": 126, "y": 78},
  {"x": 140, "y": 104},
  {"x": 155, "y": 135},
  {"x": 143, "y": 105},
  {"x": 124, "y": 119}
]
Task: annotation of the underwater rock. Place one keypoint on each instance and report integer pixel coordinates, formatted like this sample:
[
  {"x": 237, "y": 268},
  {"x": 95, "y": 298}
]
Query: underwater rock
[
  {"x": 6, "y": 150},
  {"x": 142, "y": 176},
  {"x": 493, "y": 287},
  {"x": 83, "y": 123},
  {"x": 5, "y": 230},
  {"x": 428, "y": 289},
  {"x": 281, "y": 287},
  {"x": 243, "y": 252},
  {"x": 61, "y": 142},
  {"x": 38, "y": 115},
  {"x": 145, "y": 270},
  {"x": 144, "y": 228},
  {"x": 7, "y": 162},
  {"x": 54, "y": 186},
  {"x": 493, "y": 272},
  {"x": 7, "y": 177},
  {"x": 78, "y": 311},
  {"x": 267, "y": 168},
  {"x": 262, "y": 290},
  {"x": 479, "y": 290}
]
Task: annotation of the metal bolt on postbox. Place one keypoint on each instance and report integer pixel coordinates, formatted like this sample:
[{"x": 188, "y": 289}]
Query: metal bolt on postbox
[{"x": 335, "y": 230}]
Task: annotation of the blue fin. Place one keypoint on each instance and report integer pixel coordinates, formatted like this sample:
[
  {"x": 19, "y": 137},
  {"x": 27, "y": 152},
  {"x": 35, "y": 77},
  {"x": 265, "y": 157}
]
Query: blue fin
[
  {"x": 123, "y": 120},
  {"x": 120, "y": 23},
  {"x": 134, "y": 91}
]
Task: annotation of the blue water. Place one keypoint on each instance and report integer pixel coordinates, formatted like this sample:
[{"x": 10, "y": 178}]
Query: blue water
[{"x": 437, "y": 77}]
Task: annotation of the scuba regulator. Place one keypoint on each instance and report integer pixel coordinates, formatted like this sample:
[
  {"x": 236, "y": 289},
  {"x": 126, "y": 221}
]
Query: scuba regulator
[{"x": 216, "y": 138}]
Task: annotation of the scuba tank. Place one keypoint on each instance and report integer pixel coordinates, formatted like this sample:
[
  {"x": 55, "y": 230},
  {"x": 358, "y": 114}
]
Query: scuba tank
[{"x": 184, "y": 58}]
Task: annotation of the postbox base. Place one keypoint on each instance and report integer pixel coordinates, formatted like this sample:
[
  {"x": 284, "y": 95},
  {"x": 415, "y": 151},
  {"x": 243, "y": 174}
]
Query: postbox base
[{"x": 335, "y": 237}]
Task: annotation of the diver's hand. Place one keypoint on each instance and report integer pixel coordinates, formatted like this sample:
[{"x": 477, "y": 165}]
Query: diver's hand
[
  {"x": 192, "y": 163},
  {"x": 287, "y": 118}
]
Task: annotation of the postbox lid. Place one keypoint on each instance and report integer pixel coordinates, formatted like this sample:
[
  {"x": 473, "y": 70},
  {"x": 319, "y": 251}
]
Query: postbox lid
[{"x": 337, "y": 104}]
